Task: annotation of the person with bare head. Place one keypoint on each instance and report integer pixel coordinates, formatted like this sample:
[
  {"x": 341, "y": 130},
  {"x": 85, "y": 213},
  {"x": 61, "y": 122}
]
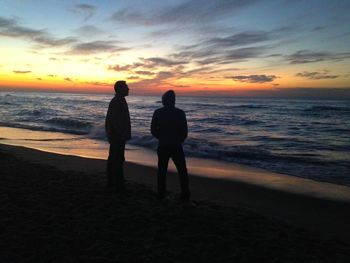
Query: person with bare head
[
  {"x": 169, "y": 126},
  {"x": 118, "y": 130}
]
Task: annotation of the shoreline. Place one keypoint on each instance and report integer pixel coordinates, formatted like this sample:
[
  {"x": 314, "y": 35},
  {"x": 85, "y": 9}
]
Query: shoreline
[
  {"x": 319, "y": 215},
  {"x": 80, "y": 146}
]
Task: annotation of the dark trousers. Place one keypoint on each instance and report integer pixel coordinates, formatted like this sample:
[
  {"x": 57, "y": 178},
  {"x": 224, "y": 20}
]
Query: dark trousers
[
  {"x": 115, "y": 166},
  {"x": 178, "y": 157}
]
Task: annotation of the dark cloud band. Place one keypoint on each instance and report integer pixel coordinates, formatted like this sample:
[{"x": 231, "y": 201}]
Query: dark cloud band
[
  {"x": 254, "y": 78},
  {"x": 22, "y": 71},
  {"x": 316, "y": 75},
  {"x": 306, "y": 56},
  {"x": 11, "y": 28}
]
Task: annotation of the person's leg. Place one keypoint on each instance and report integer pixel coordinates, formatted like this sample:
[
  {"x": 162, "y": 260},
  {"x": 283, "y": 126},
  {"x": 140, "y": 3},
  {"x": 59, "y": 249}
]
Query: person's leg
[
  {"x": 111, "y": 169},
  {"x": 119, "y": 164},
  {"x": 178, "y": 157},
  {"x": 163, "y": 160}
]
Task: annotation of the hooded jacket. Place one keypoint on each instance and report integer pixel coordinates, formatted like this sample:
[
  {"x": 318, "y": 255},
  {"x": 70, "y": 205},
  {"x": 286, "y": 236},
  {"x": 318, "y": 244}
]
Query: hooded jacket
[{"x": 169, "y": 124}]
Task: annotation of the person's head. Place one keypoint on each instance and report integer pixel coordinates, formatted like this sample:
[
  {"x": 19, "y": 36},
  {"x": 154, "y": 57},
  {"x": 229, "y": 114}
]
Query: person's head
[
  {"x": 121, "y": 88},
  {"x": 168, "y": 98}
]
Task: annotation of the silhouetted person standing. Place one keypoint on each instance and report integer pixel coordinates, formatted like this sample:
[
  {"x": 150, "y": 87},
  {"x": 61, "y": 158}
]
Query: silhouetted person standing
[
  {"x": 169, "y": 126},
  {"x": 118, "y": 131}
]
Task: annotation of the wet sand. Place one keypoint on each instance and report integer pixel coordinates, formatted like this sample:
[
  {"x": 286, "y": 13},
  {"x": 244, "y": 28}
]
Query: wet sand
[{"x": 55, "y": 209}]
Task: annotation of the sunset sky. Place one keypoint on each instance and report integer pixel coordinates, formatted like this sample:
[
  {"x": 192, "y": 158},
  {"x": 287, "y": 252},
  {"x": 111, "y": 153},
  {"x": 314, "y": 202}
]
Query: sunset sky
[{"x": 209, "y": 47}]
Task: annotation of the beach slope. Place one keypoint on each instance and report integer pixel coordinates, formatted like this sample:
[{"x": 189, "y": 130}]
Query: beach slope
[{"x": 66, "y": 215}]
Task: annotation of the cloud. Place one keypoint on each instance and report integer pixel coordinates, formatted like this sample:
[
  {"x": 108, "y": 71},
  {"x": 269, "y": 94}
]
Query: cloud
[
  {"x": 120, "y": 68},
  {"x": 159, "y": 72},
  {"x": 147, "y": 63},
  {"x": 318, "y": 28},
  {"x": 159, "y": 80},
  {"x": 236, "y": 47},
  {"x": 226, "y": 56},
  {"x": 254, "y": 78},
  {"x": 133, "y": 77},
  {"x": 198, "y": 11},
  {"x": 130, "y": 17},
  {"x": 97, "y": 83},
  {"x": 52, "y": 75},
  {"x": 190, "y": 11},
  {"x": 316, "y": 75},
  {"x": 224, "y": 50},
  {"x": 128, "y": 67},
  {"x": 232, "y": 48},
  {"x": 95, "y": 47},
  {"x": 21, "y": 71},
  {"x": 163, "y": 75},
  {"x": 89, "y": 30},
  {"x": 51, "y": 41},
  {"x": 229, "y": 49},
  {"x": 240, "y": 39},
  {"x": 11, "y": 28},
  {"x": 144, "y": 72},
  {"x": 243, "y": 53},
  {"x": 306, "y": 56},
  {"x": 84, "y": 9},
  {"x": 68, "y": 79},
  {"x": 160, "y": 62}
]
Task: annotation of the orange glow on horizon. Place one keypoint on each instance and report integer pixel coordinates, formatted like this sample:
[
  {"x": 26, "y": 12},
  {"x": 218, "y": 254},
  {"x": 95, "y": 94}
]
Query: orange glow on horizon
[
  {"x": 88, "y": 78},
  {"x": 90, "y": 48}
]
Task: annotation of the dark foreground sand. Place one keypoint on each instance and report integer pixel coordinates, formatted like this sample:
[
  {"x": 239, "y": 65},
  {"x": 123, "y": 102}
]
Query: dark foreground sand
[{"x": 63, "y": 215}]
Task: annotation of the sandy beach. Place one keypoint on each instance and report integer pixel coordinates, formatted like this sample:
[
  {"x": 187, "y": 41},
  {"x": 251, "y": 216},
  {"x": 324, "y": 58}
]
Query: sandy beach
[{"x": 55, "y": 208}]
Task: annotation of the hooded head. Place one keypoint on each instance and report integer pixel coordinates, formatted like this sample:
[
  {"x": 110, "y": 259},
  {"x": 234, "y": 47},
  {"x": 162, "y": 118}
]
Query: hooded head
[
  {"x": 168, "y": 98},
  {"x": 121, "y": 88}
]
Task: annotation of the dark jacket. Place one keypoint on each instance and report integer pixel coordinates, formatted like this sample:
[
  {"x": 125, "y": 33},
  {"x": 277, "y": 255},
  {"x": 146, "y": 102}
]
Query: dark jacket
[
  {"x": 169, "y": 126},
  {"x": 117, "y": 124}
]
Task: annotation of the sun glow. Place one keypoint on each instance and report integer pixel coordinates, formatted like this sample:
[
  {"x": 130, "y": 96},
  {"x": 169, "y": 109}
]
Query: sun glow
[{"x": 94, "y": 50}]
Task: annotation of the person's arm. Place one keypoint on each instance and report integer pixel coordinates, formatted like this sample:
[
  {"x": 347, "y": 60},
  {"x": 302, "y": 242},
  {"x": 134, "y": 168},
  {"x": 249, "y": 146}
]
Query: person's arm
[
  {"x": 114, "y": 122},
  {"x": 184, "y": 128},
  {"x": 126, "y": 125},
  {"x": 108, "y": 123},
  {"x": 154, "y": 125}
]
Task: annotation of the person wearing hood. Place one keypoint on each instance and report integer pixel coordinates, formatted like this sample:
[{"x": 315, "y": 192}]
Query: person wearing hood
[
  {"x": 118, "y": 130},
  {"x": 169, "y": 126}
]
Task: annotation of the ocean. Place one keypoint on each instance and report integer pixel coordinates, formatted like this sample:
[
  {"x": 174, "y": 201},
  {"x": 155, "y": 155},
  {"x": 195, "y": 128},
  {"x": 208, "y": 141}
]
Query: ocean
[{"x": 304, "y": 138}]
